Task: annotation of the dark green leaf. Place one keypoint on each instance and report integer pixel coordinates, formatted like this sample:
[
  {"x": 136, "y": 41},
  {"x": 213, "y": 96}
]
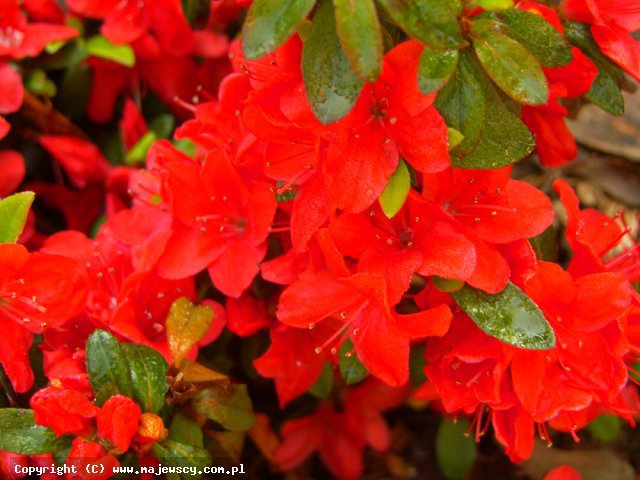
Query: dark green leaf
[
  {"x": 455, "y": 452},
  {"x": 416, "y": 365},
  {"x": 510, "y": 316},
  {"x": 176, "y": 454},
  {"x": 148, "y": 371},
  {"x": 396, "y": 191},
  {"x": 537, "y": 35},
  {"x": 14, "y": 210},
  {"x": 99, "y": 46},
  {"x": 433, "y": 22},
  {"x": 107, "y": 367},
  {"x": 332, "y": 86},
  {"x": 351, "y": 369},
  {"x": 360, "y": 35},
  {"x": 509, "y": 64},
  {"x": 20, "y": 434},
  {"x": 605, "y": 91},
  {"x": 227, "y": 404},
  {"x": 435, "y": 68},
  {"x": 185, "y": 429},
  {"x": 324, "y": 384},
  {"x": 270, "y": 23},
  {"x": 605, "y": 428}
]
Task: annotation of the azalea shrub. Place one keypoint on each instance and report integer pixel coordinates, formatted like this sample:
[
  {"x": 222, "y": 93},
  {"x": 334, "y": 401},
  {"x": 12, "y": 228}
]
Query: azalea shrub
[{"x": 280, "y": 221}]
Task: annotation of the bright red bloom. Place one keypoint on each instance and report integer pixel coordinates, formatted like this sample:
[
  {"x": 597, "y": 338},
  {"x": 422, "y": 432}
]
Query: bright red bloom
[
  {"x": 11, "y": 89},
  {"x": 44, "y": 11},
  {"x": 118, "y": 421},
  {"x": 612, "y": 22},
  {"x": 19, "y": 39},
  {"x": 391, "y": 119},
  {"x": 361, "y": 303},
  {"x": 126, "y": 21},
  {"x": 64, "y": 410},
  {"x": 222, "y": 219},
  {"x": 85, "y": 453},
  {"x": 246, "y": 315},
  {"x": 563, "y": 472},
  {"x": 37, "y": 291},
  {"x": 81, "y": 159},
  {"x": 13, "y": 170}
]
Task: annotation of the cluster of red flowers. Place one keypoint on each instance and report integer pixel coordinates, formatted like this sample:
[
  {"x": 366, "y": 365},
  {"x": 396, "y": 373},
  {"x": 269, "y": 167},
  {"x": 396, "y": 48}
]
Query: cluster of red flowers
[{"x": 270, "y": 194}]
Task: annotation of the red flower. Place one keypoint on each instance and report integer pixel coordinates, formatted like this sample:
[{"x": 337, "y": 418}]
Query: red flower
[
  {"x": 118, "y": 421},
  {"x": 11, "y": 89},
  {"x": 361, "y": 303},
  {"x": 64, "y": 410},
  {"x": 611, "y": 24},
  {"x": 222, "y": 219},
  {"x": 246, "y": 315},
  {"x": 13, "y": 170},
  {"x": 84, "y": 453},
  {"x": 37, "y": 291},
  {"x": 563, "y": 472}
]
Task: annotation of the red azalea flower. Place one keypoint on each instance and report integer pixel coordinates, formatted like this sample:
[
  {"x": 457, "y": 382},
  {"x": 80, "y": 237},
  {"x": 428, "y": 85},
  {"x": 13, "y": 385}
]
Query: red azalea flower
[
  {"x": 84, "y": 453},
  {"x": 81, "y": 160},
  {"x": 37, "y": 291},
  {"x": 360, "y": 302},
  {"x": 247, "y": 315},
  {"x": 118, "y": 420},
  {"x": 222, "y": 219},
  {"x": 126, "y": 21},
  {"x": 13, "y": 170},
  {"x": 11, "y": 89},
  {"x": 612, "y": 22},
  {"x": 391, "y": 119},
  {"x": 64, "y": 410}
]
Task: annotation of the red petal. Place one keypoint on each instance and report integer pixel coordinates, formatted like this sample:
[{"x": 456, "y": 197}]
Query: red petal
[
  {"x": 13, "y": 170},
  {"x": 118, "y": 421},
  {"x": 82, "y": 160},
  {"x": 428, "y": 323},
  {"x": 39, "y": 35},
  {"x": 15, "y": 343},
  {"x": 234, "y": 270},
  {"x": 246, "y": 315},
  {"x": 63, "y": 410},
  {"x": 619, "y": 46},
  {"x": 563, "y": 472},
  {"x": 11, "y": 89}
]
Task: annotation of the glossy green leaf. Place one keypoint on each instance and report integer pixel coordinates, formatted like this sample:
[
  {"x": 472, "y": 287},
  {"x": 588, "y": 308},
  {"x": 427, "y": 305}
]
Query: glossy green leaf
[
  {"x": 331, "y": 84},
  {"x": 227, "y": 404},
  {"x": 509, "y": 64},
  {"x": 447, "y": 284},
  {"x": 270, "y": 23},
  {"x": 436, "y": 68},
  {"x": 537, "y": 35},
  {"x": 351, "y": 369},
  {"x": 185, "y": 429},
  {"x": 177, "y": 454},
  {"x": 396, "y": 191},
  {"x": 39, "y": 84},
  {"x": 14, "y": 210},
  {"x": 20, "y": 434},
  {"x": 493, "y": 134},
  {"x": 605, "y": 428},
  {"x": 455, "y": 452},
  {"x": 433, "y": 22},
  {"x": 360, "y": 35},
  {"x": 510, "y": 316},
  {"x": 186, "y": 325},
  {"x": 138, "y": 153},
  {"x": 101, "y": 47},
  {"x": 605, "y": 90},
  {"x": 148, "y": 371},
  {"x": 454, "y": 138},
  {"x": 324, "y": 384},
  {"x": 107, "y": 367}
]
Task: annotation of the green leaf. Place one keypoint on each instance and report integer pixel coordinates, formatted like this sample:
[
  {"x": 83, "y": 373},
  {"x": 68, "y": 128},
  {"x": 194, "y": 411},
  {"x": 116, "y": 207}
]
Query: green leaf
[
  {"x": 99, "y": 46},
  {"x": 148, "y": 371},
  {"x": 360, "y": 35},
  {"x": 510, "y": 316},
  {"x": 14, "y": 210},
  {"x": 433, "y": 22},
  {"x": 455, "y": 451},
  {"x": 107, "y": 367},
  {"x": 270, "y": 23},
  {"x": 493, "y": 135},
  {"x": 138, "y": 153},
  {"x": 39, "y": 84},
  {"x": 537, "y": 35},
  {"x": 495, "y": 4},
  {"x": 605, "y": 428},
  {"x": 395, "y": 193},
  {"x": 20, "y": 434},
  {"x": 185, "y": 429},
  {"x": 436, "y": 68},
  {"x": 605, "y": 90},
  {"x": 177, "y": 454},
  {"x": 186, "y": 325},
  {"x": 509, "y": 64},
  {"x": 332, "y": 86},
  {"x": 227, "y": 404},
  {"x": 454, "y": 138},
  {"x": 324, "y": 384},
  {"x": 447, "y": 284},
  {"x": 351, "y": 369}
]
